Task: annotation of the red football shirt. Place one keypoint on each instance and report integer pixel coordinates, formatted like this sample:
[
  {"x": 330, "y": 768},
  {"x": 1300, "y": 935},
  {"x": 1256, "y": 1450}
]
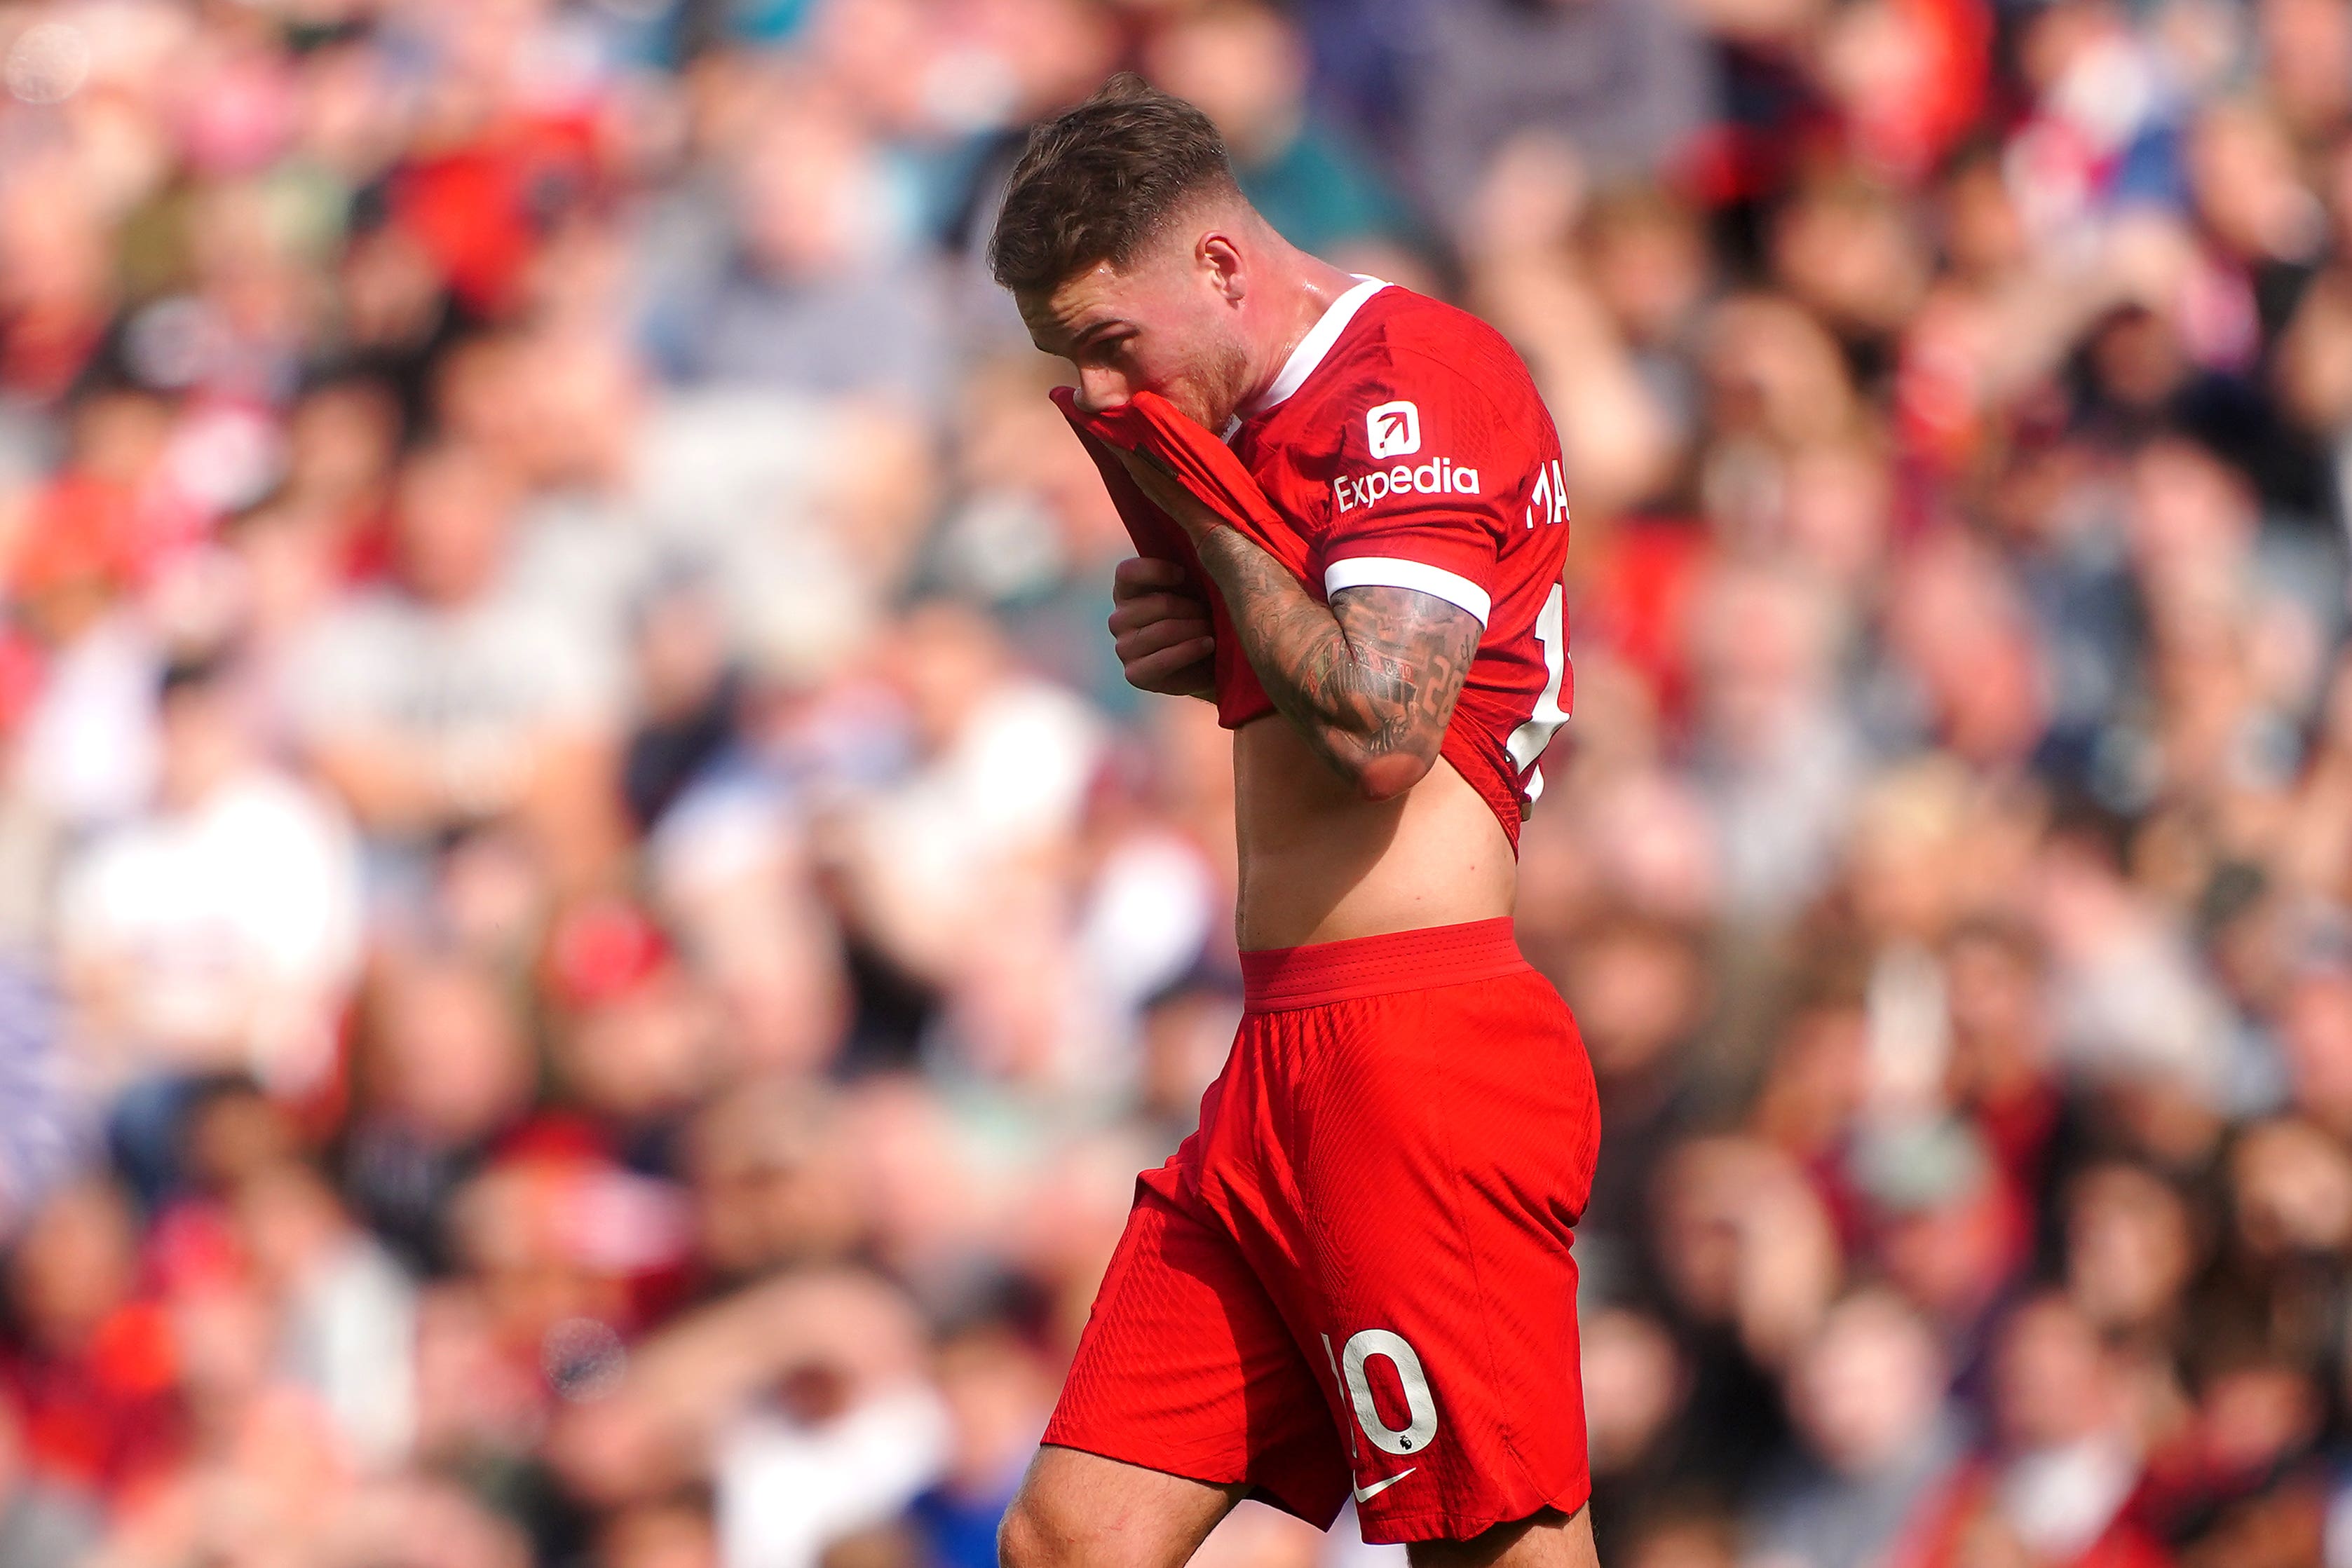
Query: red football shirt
[{"x": 1403, "y": 444}]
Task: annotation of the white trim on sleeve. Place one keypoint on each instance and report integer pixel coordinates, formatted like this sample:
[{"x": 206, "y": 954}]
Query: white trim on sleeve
[{"x": 1395, "y": 571}]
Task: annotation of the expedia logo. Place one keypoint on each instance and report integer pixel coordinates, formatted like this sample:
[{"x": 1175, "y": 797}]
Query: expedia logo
[
  {"x": 1437, "y": 477},
  {"x": 1394, "y": 429}
]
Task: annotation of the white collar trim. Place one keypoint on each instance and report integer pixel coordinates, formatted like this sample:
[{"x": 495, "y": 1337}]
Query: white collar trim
[{"x": 1314, "y": 347}]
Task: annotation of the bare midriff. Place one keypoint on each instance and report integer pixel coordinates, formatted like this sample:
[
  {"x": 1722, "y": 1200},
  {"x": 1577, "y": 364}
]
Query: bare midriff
[{"x": 1321, "y": 864}]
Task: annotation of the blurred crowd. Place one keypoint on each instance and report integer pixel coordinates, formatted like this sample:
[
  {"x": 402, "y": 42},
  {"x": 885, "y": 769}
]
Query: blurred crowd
[{"x": 590, "y": 942}]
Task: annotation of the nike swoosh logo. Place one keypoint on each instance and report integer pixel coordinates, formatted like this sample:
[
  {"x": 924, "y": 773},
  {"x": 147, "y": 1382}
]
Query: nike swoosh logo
[{"x": 1366, "y": 1494}]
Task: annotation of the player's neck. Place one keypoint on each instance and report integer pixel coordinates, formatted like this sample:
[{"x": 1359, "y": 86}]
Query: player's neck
[{"x": 1303, "y": 288}]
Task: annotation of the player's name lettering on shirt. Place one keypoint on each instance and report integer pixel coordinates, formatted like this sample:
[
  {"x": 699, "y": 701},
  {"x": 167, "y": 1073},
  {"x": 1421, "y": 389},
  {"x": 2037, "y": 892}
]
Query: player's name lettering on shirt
[
  {"x": 1549, "y": 503},
  {"x": 1438, "y": 477}
]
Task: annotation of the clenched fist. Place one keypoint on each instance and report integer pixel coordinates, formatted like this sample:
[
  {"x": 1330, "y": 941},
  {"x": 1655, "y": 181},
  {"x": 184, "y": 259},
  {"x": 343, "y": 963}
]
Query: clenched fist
[{"x": 1160, "y": 629}]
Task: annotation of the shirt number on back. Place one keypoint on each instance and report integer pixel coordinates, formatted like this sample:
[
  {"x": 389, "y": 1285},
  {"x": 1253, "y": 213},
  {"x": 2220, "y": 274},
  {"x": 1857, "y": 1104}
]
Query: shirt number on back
[{"x": 1528, "y": 742}]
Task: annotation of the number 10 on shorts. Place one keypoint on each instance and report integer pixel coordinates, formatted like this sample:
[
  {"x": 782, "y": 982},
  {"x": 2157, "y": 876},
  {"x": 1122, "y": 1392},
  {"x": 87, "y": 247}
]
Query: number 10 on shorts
[{"x": 1420, "y": 1406}]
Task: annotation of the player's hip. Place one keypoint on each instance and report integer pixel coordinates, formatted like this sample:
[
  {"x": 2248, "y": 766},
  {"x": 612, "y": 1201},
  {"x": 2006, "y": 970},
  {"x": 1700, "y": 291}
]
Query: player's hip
[
  {"x": 1320, "y": 977},
  {"x": 1394, "y": 1071}
]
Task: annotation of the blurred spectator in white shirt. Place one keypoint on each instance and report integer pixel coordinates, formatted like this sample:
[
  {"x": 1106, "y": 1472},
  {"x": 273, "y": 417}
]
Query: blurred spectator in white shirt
[
  {"x": 346, "y": 1316},
  {"x": 438, "y": 700},
  {"x": 800, "y": 1401},
  {"x": 220, "y": 930},
  {"x": 1000, "y": 775}
]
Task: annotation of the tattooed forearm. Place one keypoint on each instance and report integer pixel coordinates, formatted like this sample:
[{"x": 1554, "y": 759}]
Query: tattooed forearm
[{"x": 1370, "y": 679}]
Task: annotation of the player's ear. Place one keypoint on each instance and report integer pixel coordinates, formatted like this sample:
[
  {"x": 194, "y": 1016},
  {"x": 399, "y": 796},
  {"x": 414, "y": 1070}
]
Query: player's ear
[{"x": 1220, "y": 261}]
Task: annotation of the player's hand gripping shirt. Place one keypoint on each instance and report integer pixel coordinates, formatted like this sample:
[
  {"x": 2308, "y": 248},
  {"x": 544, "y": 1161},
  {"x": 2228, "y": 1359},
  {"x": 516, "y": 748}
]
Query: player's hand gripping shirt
[{"x": 1403, "y": 445}]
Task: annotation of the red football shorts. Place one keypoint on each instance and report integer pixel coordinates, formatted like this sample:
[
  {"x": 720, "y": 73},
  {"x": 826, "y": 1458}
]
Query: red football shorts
[{"x": 1355, "y": 1277}]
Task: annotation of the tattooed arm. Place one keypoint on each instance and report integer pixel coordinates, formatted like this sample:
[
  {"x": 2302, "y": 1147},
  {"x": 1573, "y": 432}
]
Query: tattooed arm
[{"x": 1370, "y": 680}]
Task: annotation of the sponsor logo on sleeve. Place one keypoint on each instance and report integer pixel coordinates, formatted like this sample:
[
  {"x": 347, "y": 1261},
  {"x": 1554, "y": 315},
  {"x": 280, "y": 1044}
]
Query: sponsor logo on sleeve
[
  {"x": 1394, "y": 429},
  {"x": 1438, "y": 477}
]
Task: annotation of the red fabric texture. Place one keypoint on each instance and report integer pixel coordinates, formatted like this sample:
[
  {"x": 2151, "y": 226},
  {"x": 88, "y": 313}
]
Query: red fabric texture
[
  {"x": 106, "y": 1416},
  {"x": 482, "y": 209},
  {"x": 1210, "y": 470},
  {"x": 1206, "y": 465},
  {"x": 1379, "y": 1196},
  {"x": 1274, "y": 979}
]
